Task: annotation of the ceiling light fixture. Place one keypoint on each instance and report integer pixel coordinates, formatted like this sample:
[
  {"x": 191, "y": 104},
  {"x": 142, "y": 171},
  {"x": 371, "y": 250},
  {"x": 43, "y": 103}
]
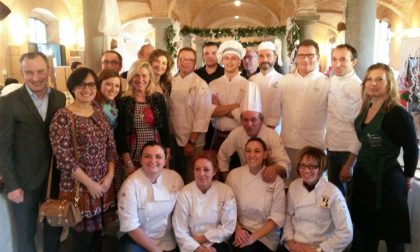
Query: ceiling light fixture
[
  {"x": 237, "y": 3},
  {"x": 236, "y": 17}
]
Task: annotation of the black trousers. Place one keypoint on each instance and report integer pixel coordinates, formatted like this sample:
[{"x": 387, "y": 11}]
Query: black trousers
[
  {"x": 25, "y": 216},
  {"x": 367, "y": 241}
]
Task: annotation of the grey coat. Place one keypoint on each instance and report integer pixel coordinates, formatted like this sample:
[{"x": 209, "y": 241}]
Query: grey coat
[{"x": 25, "y": 149}]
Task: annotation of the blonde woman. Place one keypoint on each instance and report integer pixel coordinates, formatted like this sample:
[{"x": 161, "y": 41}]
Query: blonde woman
[
  {"x": 142, "y": 116},
  {"x": 379, "y": 199}
]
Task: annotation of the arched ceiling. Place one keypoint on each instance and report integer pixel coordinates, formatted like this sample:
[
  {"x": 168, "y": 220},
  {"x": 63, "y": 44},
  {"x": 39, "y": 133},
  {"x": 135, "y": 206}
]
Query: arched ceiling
[{"x": 221, "y": 13}]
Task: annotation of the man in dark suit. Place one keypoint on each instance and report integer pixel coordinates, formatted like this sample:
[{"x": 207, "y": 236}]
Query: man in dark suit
[{"x": 25, "y": 151}]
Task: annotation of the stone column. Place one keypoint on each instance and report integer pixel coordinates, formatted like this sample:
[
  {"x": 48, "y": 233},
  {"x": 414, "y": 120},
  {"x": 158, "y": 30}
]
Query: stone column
[
  {"x": 199, "y": 42},
  {"x": 284, "y": 58},
  {"x": 94, "y": 40},
  {"x": 160, "y": 24},
  {"x": 306, "y": 25},
  {"x": 186, "y": 41},
  {"x": 360, "y": 31}
]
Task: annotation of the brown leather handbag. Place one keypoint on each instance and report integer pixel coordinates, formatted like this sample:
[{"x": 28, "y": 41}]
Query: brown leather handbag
[{"x": 62, "y": 213}]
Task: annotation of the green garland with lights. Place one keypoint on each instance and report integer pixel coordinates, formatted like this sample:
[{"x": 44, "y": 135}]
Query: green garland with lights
[
  {"x": 247, "y": 32},
  {"x": 237, "y": 33},
  {"x": 171, "y": 46}
]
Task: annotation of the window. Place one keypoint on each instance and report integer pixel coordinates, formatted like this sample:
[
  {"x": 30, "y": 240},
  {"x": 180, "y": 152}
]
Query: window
[
  {"x": 37, "y": 31},
  {"x": 382, "y": 41}
]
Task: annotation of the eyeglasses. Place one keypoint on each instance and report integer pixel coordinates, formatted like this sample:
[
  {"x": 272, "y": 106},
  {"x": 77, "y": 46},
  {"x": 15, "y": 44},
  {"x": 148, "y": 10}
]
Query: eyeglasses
[
  {"x": 182, "y": 59},
  {"x": 112, "y": 62},
  {"x": 310, "y": 167},
  {"x": 250, "y": 57},
  {"x": 90, "y": 85},
  {"x": 303, "y": 56}
]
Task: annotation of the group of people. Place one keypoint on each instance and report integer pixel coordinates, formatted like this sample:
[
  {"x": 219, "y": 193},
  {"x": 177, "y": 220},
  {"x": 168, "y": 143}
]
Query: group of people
[{"x": 139, "y": 138}]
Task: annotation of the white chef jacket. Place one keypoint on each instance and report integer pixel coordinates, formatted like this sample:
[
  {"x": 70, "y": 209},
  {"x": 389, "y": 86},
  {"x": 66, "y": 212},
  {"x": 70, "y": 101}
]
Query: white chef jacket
[
  {"x": 190, "y": 107},
  {"x": 229, "y": 92},
  {"x": 257, "y": 202},
  {"x": 266, "y": 83},
  {"x": 301, "y": 103},
  {"x": 148, "y": 206},
  {"x": 319, "y": 217},
  {"x": 344, "y": 103},
  {"x": 237, "y": 140},
  {"x": 212, "y": 214}
]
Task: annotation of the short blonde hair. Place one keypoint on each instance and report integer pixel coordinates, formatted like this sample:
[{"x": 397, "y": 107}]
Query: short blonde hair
[
  {"x": 134, "y": 70},
  {"x": 393, "y": 97}
]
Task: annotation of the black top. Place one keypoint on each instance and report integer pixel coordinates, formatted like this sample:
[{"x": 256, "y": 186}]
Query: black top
[
  {"x": 210, "y": 77},
  {"x": 398, "y": 125}
]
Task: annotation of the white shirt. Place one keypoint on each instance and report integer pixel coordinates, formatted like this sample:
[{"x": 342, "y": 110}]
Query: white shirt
[
  {"x": 148, "y": 206},
  {"x": 319, "y": 217},
  {"x": 257, "y": 202},
  {"x": 237, "y": 140},
  {"x": 212, "y": 214},
  {"x": 229, "y": 92},
  {"x": 301, "y": 103},
  {"x": 266, "y": 85},
  {"x": 344, "y": 103},
  {"x": 190, "y": 108}
]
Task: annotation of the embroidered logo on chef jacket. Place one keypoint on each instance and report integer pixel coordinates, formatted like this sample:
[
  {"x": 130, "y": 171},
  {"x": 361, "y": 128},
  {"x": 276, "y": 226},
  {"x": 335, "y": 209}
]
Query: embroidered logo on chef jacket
[
  {"x": 375, "y": 140},
  {"x": 325, "y": 202}
]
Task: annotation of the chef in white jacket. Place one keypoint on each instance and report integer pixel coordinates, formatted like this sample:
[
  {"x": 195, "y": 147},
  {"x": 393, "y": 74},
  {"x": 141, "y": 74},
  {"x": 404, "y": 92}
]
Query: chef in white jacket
[
  {"x": 205, "y": 212},
  {"x": 317, "y": 217},
  {"x": 145, "y": 204},
  {"x": 261, "y": 205}
]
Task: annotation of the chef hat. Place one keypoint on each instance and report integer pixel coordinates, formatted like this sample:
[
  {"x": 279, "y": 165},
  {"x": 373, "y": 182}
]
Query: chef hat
[
  {"x": 10, "y": 88},
  {"x": 267, "y": 45},
  {"x": 230, "y": 46},
  {"x": 252, "y": 99}
]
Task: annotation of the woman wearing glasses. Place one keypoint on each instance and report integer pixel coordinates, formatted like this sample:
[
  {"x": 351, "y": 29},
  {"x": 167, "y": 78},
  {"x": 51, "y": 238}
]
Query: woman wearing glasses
[
  {"x": 94, "y": 169},
  {"x": 317, "y": 217},
  {"x": 260, "y": 204}
]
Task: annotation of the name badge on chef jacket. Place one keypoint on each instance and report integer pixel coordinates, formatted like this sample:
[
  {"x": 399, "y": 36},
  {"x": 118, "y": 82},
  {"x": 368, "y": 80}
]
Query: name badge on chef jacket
[{"x": 325, "y": 202}]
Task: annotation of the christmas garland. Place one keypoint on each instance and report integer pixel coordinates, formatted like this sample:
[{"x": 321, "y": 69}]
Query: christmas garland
[
  {"x": 235, "y": 32},
  {"x": 171, "y": 45},
  {"x": 291, "y": 32}
]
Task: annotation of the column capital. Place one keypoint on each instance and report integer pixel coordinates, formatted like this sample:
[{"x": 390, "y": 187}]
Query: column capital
[
  {"x": 307, "y": 18},
  {"x": 306, "y": 25},
  {"x": 160, "y": 22}
]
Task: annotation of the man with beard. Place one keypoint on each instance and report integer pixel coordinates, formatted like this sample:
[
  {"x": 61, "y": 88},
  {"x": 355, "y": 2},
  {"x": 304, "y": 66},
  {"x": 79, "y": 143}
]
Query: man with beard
[{"x": 267, "y": 78}]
